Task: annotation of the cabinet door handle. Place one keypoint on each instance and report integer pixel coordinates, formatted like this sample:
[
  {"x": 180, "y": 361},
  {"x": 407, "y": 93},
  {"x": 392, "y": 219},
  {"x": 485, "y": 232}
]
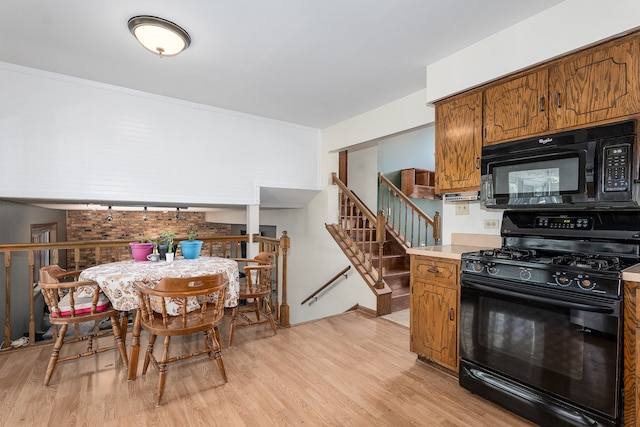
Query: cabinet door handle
[
  {"x": 451, "y": 314},
  {"x": 558, "y": 100},
  {"x": 477, "y": 162},
  {"x": 542, "y": 104}
]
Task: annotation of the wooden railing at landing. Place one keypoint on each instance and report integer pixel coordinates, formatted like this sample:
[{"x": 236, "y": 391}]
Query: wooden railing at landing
[
  {"x": 405, "y": 219},
  {"x": 83, "y": 254}
]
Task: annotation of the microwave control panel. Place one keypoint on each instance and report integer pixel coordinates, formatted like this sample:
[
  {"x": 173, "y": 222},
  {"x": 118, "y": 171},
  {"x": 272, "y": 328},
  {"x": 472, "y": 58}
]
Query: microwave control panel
[{"x": 616, "y": 168}]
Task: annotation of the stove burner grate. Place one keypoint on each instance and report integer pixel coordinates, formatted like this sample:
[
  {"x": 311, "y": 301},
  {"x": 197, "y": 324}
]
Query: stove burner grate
[
  {"x": 517, "y": 254},
  {"x": 594, "y": 262}
]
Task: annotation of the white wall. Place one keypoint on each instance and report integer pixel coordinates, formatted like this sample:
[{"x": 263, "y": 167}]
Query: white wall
[
  {"x": 568, "y": 26},
  {"x": 473, "y": 223},
  {"x": 95, "y": 142},
  {"x": 363, "y": 175},
  {"x": 406, "y": 113}
]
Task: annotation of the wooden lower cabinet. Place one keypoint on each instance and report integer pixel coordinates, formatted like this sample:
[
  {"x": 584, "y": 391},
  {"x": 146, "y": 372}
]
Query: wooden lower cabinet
[
  {"x": 631, "y": 363},
  {"x": 434, "y": 310}
]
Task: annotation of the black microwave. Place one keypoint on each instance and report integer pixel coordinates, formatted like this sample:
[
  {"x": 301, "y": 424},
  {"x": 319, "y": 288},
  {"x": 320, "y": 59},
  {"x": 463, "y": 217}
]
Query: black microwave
[{"x": 583, "y": 168}]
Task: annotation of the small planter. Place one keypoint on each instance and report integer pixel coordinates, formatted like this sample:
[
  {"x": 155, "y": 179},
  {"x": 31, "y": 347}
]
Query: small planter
[
  {"x": 191, "y": 248},
  {"x": 164, "y": 249},
  {"x": 141, "y": 250}
]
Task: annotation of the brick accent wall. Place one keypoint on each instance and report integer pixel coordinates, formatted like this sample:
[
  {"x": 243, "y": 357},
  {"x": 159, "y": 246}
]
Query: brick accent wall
[{"x": 130, "y": 225}]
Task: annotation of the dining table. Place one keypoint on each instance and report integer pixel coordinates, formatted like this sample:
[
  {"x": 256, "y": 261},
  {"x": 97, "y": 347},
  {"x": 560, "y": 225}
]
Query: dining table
[{"x": 118, "y": 282}]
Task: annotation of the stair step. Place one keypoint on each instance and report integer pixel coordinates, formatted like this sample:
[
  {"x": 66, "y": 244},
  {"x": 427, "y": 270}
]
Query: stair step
[
  {"x": 400, "y": 291},
  {"x": 391, "y": 263},
  {"x": 395, "y": 273},
  {"x": 397, "y": 282},
  {"x": 399, "y": 302}
]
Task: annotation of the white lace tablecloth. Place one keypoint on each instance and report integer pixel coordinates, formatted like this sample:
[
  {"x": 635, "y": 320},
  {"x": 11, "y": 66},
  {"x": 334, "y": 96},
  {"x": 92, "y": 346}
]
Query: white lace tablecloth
[{"x": 117, "y": 279}]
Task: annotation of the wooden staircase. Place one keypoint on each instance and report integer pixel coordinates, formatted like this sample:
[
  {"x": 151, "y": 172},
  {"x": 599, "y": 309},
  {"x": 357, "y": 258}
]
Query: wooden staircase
[
  {"x": 373, "y": 245},
  {"x": 394, "y": 293},
  {"x": 395, "y": 272}
]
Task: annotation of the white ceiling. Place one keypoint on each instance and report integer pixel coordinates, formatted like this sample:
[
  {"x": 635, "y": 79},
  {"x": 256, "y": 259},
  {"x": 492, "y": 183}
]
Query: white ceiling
[{"x": 314, "y": 63}]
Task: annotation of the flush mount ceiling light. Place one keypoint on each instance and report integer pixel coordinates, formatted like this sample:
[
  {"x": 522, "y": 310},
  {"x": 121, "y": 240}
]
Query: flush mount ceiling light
[{"x": 159, "y": 35}]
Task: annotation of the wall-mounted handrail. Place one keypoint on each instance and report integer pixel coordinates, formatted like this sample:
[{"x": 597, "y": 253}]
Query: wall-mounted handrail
[
  {"x": 323, "y": 287},
  {"x": 404, "y": 218}
]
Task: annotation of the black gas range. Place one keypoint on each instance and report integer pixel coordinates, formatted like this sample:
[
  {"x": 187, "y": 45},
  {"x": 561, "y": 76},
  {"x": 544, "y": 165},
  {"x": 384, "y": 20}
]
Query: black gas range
[
  {"x": 586, "y": 273},
  {"x": 541, "y": 316},
  {"x": 575, "y": 251}
]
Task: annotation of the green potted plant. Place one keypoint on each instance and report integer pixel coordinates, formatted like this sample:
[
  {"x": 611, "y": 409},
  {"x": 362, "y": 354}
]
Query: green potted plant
[
  {"x": 167, "y": 245},
  {"x": 140, "y": 249},
  {"x": 191, "y": 248}
]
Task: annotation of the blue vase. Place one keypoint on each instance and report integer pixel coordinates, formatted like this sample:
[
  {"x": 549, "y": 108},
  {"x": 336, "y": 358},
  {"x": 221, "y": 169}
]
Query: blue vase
[{"x": 191, "y": 248}]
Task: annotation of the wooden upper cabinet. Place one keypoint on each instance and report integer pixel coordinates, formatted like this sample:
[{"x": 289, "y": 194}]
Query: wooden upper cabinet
[
  {"x": 598, "y": 84},
  {"x": 516, "y": 108},
  {"x": 459, "y": 143}
]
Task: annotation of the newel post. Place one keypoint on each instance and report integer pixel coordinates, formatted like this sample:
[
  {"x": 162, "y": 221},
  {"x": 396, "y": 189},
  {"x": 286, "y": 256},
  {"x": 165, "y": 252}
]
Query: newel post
[
  {"x": 285, "y": 242},
  {"x": 7, "y": 299},
  {"x": 436, "y": 228},
  {"x": 32, "y": 280},
  {"x": 380, "y": 238}
]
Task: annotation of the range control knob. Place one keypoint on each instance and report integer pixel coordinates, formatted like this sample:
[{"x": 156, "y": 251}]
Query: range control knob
[
  {"x": 586, "y": 284},
  {"x": 477, "y": 266},
  {"x": 562, "y": 280},
  {"x": 492, "y": 269},
  {"x": 525, "y": 274}
]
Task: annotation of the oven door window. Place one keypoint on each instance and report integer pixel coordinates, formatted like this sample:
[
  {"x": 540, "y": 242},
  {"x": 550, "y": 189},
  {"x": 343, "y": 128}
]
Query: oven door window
[
  {"x": 567, "y": 352},
  {"x": 538, "y": 177}
]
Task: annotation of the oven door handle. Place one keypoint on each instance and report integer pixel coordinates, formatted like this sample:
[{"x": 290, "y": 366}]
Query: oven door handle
[{"x": 595, "y": 308}]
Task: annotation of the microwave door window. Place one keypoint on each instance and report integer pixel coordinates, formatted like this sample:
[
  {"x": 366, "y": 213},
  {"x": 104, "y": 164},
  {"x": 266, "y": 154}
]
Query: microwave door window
[
  {"x": 536, "y": 182},
  {"x": 537, "y": 179}
]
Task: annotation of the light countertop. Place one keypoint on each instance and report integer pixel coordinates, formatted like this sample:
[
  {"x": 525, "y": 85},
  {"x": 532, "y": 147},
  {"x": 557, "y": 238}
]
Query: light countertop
[
  {"x": 632, "y": 274},
  {"x": 460, "y": 243},
  {"x": 445, "y": 251}
]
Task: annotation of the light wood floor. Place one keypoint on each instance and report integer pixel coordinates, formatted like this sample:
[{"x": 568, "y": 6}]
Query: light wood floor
[{"x": 347, "y": 370}]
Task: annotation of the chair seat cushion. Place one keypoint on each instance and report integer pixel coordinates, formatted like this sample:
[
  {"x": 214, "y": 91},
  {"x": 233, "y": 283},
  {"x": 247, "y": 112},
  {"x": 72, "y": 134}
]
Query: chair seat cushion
[{"x": 82, "y": 305}]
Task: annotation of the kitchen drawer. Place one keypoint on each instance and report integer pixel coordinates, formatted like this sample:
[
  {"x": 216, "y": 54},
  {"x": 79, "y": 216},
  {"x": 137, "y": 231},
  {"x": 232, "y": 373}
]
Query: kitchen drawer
[{"x": 435, "y": 270}]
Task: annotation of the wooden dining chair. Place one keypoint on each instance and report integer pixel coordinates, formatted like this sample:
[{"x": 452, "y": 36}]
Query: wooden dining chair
[
  {"x": 256, "y": 290},
  {"x": 209, "y": 292},
  {"x": 72, "y": 303}
]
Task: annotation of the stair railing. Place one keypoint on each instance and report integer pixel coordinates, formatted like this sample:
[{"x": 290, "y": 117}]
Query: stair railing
[
  {"x": 405, "y": 219},
  {"x": 361, "y": 227}
]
